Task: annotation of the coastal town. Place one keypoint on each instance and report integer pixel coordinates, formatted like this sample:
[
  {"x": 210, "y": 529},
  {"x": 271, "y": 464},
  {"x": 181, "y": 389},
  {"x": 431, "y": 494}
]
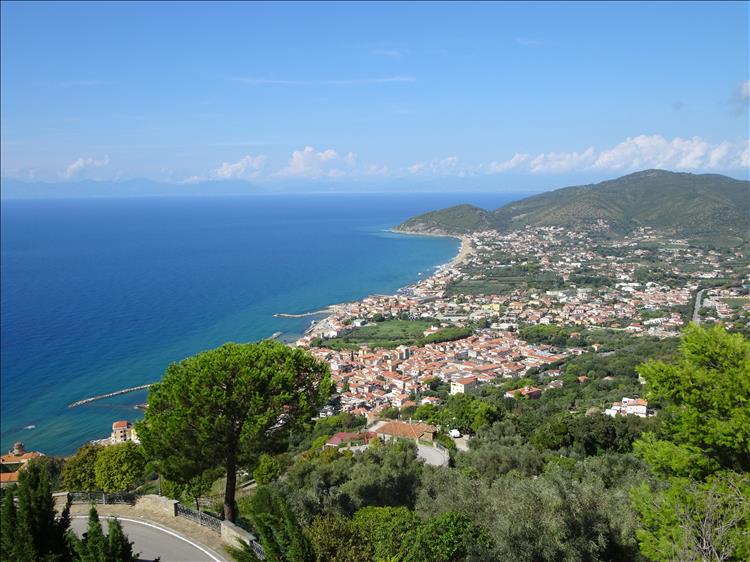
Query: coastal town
[{"x": 500, "y": 284}]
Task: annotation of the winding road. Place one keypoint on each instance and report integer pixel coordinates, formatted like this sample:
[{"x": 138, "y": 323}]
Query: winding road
[{"x": 154, "y": 541}]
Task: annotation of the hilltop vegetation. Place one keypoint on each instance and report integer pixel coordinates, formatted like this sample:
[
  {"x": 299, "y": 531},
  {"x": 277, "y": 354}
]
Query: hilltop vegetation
[{"x": 686, "y": 204}]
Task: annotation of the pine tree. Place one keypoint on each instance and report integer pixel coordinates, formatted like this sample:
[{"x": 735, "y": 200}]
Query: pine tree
[
  {"x": 39, "y": 534},
  {"x": 93, "y": 546},
  {"x": 9, "y": 527},
  {"x": 120, "y": 548}
]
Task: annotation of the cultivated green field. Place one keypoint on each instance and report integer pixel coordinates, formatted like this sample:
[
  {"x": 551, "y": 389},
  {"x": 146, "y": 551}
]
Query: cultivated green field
[{"x": 392, "y": 333}]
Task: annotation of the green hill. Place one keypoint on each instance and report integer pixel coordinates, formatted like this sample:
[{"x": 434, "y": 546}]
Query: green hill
[
  {"x": 681, "y": 203},
  {"x": 460, "y": 219}
]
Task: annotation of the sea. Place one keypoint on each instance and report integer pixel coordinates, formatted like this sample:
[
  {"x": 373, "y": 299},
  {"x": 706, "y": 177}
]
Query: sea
[{"x": 98, "y": 295}]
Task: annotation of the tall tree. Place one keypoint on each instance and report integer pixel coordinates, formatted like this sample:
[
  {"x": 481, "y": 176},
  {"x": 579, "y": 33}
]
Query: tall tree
[
  {"x": 119, "y": 547},
  {"x": 31, "y": 530},
  {"x": 706, "y": 399},
  {"x": 702, "y": 449},
  {"x": 95, "y": 547},
  {"x": 226, "y": 406},
  {"x": 119, "y": 467},
  {"x": 78, "y": 472}
]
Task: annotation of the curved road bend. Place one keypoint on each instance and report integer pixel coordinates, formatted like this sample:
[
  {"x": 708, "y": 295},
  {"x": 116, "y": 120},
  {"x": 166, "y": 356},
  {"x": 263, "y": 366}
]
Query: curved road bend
[{"x": 152, "y": 541}]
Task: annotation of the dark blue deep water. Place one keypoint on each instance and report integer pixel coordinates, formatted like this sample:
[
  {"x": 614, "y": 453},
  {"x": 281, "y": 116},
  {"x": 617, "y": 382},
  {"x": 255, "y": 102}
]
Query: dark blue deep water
[{"x": 102, "y": 294}]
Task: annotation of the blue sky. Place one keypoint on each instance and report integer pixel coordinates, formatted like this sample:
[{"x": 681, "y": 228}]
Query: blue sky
[{"x": 369, "y": 93}]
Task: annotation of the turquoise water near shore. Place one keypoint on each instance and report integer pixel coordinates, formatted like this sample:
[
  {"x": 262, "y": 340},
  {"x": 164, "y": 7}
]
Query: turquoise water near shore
[{"x": 102, "y": 294}]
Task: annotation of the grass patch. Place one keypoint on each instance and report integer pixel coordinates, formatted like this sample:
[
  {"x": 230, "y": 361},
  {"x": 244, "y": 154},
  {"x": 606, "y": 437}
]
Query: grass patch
[{"x": 392, "y": 333}]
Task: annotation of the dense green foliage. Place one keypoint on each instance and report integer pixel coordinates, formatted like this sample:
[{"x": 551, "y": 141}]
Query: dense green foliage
[
  {"x": 706, "y": 399},
  {"x": 388, "y": 533},
  {"x": 689, "y": 204},
  {"x": 393, "y": 333},
  {"x": 701, "y": 508},
  {"x": 226, "y": 406},
  {"x": 31, "y": 530},
  {"x": 460, "y": 219},
  {"x": 330, "y": 482},
  {"x": 277, "y": 529},
  {"x": 79, "y": 474},
  {"x": 119, "y": 467}
]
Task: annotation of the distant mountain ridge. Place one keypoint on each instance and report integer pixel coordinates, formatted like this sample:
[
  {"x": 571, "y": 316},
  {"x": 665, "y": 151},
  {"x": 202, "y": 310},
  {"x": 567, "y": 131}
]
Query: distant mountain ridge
[{"x": 683, "y": 203}]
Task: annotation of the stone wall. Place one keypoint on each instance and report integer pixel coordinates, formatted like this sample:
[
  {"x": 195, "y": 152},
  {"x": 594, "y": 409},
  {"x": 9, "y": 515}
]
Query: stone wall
[
  {"x": 230, "y": 533},
  {"x": 161, "y": 504}
]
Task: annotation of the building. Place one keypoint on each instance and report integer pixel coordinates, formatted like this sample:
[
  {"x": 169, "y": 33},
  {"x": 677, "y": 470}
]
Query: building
[
  {"x": 350, "y": 438},
  {"x": 403, "y": 430},
  {"x": 630, "y": 407},
  {"x": 12, "y": 463},
  {"x": 123, "y": 431},
  {"x": 462, "y": 385},
  {"x": 530, "y": 392}
]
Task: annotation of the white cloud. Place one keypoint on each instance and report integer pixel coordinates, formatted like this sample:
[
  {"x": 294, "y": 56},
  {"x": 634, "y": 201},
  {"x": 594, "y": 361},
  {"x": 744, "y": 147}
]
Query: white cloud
[
  {"x": 81, "y": 164},
  {"x": 311, "y": 163},
  {"x": 654, "y": 151},
  {"x": 561, "y": 161},
  {"x": 741, "y": 97},
  {"x": 438, "y": 167},
  {"x": 517, "y": 160},
  {"x": 634, "y": 153},
  {"x": 247, "y": 167}
]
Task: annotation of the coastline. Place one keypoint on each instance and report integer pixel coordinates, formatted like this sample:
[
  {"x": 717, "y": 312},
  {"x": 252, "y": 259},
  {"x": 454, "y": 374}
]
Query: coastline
[{"x": 465, "y": 251}]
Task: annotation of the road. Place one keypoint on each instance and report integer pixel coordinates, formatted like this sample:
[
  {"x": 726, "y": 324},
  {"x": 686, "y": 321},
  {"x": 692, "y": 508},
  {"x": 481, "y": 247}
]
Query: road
[
  {"x": 432, "y": 455},
  {"x": 697, "y": 308},
  {"x": 153, "y": 541}
]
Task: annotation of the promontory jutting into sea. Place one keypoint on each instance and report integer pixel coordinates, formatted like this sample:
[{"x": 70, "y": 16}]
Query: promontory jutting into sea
[{"x": 368, "y": 282}]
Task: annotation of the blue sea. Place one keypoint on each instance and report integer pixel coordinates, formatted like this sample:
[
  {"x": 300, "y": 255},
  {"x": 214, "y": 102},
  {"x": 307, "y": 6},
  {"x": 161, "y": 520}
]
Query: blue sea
[{"x": 102, "y": 294}]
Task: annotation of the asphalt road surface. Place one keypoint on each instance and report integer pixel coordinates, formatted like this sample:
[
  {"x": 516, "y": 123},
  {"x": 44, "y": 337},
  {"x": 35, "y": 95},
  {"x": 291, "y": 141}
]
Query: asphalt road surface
[{"x": 153, "y": 541}]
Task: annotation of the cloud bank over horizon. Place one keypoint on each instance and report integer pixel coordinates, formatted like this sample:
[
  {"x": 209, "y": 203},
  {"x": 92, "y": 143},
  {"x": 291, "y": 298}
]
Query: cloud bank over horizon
[{"x": 694, "y": 154}]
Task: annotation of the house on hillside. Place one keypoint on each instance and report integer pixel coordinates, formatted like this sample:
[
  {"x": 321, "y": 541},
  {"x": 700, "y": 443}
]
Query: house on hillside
[
  {"x": 630, "y": 407},
  {"x": 403, "y": 430},
  {"x": 123, "y": 431},
  {"x": 14, "y": 462},
  {"x": 462, "y": 385},
  {"x": 350, "y": 438}
]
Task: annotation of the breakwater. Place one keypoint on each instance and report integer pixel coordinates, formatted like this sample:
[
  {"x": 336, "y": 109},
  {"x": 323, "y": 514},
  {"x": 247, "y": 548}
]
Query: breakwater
[
  {"x": 304, "y": 314},
  {"x": 109, "y": 395}
]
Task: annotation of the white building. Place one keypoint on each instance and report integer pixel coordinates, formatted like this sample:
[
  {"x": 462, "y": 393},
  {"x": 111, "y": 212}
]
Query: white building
[
  {"x": 462, "y": 385},
  {"x": 629, "y": 407}
]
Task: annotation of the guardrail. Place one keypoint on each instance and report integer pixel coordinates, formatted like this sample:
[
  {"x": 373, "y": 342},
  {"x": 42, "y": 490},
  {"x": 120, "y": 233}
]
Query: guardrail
[
  {"x": 103, "y": 497},
  {"x": 199, "y": 517}
]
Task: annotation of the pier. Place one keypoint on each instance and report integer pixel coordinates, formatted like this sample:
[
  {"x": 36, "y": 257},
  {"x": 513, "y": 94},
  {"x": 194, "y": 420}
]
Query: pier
[{"x": 109, "y": 395}]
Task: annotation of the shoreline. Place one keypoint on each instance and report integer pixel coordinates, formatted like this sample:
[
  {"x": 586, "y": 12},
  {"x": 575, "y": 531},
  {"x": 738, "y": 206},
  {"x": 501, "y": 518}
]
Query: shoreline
[
  {"x": 324, "y": 313},
  {"x": 465, "y": 251}
]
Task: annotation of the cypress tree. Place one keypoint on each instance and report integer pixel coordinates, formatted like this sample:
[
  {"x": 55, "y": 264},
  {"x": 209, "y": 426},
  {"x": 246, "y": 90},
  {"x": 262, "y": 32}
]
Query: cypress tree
[
  {"x": 120, "y": 548},
  {"x": 9, "y": 527},
  {"x": 39, "y": 534}
]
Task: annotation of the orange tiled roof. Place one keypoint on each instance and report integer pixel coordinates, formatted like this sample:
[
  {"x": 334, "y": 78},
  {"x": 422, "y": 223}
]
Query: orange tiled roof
[
  {"x": 409, "y": 431},
  {"x": 8, "y": 477},
  {"x": 11, "y": 458}
]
